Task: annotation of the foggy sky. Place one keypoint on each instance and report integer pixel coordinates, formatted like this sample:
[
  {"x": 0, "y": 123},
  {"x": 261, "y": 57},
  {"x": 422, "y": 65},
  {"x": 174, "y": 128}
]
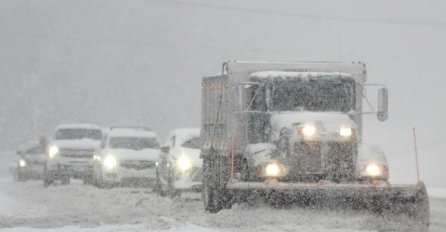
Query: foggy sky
[{"x": 140, "y": 62}]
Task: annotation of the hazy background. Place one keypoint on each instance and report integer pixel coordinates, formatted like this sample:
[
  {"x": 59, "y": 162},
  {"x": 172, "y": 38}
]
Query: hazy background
[{"x": 140, "y": 62}]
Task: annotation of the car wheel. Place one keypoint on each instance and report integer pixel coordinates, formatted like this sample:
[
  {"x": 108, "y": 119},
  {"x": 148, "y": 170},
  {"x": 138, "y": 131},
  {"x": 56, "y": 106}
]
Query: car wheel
[
  {"x": 159, "y": 187},
  {"x": 14, "y": 176},
  {"x": 65, "y": 180}
]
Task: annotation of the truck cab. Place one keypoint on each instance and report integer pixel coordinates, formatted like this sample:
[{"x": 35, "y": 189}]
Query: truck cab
[{"x": 294, "y": 129}]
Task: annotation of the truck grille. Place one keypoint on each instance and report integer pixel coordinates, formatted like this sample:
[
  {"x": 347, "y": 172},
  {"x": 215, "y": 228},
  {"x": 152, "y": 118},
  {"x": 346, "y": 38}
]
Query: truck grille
[
  {"x": 74, "y": 153},
  {"x": 137, "y": 164},
  {"x": 310, "y": 157}
]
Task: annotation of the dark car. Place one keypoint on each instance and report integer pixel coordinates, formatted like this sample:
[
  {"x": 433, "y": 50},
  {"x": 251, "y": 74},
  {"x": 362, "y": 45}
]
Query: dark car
[{"x": 30, "y": 163}]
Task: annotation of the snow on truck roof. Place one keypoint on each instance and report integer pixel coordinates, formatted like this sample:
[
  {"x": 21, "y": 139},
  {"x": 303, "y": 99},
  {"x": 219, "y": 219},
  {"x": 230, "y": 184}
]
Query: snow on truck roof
[
  {"x": 127, "y": 132},
  {"x": 285, "y": 75},
  {"x": 239, "y": 69},
  {"x": 78, "y": 126}
]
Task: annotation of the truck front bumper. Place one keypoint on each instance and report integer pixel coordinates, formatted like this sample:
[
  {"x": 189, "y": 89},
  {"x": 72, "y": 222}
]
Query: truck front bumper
[{"x": 355, "y": 193}]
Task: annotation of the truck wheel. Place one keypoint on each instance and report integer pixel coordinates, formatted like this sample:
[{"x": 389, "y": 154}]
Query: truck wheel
[
  {"x": 211, "y": 194},
  {"x": 210, "y": 198}
]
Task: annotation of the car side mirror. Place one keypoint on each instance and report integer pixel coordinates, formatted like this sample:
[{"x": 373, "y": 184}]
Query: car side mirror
[
  {"x": 383, "y": 104},
  {"x": 165, "y": 149}
]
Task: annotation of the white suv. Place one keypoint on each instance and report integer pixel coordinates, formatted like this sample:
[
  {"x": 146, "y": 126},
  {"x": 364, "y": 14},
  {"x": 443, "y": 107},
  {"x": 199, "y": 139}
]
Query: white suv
[
  {"x": 179, "y": 168},
  {"x": 70, "y": 153},
  {"x": 128, "y": 157}
]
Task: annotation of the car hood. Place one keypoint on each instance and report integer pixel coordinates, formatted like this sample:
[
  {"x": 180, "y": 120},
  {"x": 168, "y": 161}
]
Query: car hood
[
  {"x": 192, "y": 154},
  {"x": 86, "y": 144},
  {"x": 128, "y": 154},
  {"x": 34, "y": 157}
]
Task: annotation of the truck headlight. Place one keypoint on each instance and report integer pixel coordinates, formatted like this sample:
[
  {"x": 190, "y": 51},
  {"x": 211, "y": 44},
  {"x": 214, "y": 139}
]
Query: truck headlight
[
  {"x": 110, "y": 162},
  {"x": 52, "y": 152},
  {"x": 22, "y": 163},
  {"x": 184, "y": 163},
  {"x": 345, "y": 131},
  {"x": 308, "y": 130},
  {"x": 373, "y": 170}
]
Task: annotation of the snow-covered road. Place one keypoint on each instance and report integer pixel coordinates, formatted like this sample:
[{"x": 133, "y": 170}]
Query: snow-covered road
[
  {"x": 84, "y": 208},
  {"x": 77, "y": 207}
]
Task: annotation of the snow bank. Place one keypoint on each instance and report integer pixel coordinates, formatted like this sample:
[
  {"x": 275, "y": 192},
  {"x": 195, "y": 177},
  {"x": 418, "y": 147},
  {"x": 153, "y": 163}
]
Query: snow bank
[{"x": 436, "y": 192}]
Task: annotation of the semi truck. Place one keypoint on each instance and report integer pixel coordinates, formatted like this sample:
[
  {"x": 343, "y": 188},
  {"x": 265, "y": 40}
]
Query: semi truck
[{"x": 294, "y": 130}]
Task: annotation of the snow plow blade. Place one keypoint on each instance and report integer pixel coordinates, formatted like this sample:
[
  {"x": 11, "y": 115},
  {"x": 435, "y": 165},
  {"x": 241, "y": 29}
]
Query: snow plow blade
[{"x": 409, "y": 201}]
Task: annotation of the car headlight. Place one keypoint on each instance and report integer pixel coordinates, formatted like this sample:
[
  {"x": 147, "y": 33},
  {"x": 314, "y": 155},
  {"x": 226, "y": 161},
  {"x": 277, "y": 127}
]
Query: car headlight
[
  {"x": 22, "y": 163},
  {"x": 272, "y": 170},
  {"x": 52, "y": 152},
  {"x": 373, "y": 170},
  {"x": 96, "y": 157},
  {"x": 184, "y": 163},
  {"x": 110, "y": 162},
  {"x": 345, "y": 131},
  {"x": 309, "y": 130}
]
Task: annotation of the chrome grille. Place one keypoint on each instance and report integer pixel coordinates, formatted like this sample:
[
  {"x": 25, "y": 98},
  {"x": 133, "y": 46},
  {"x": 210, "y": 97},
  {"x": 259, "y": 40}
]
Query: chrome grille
[
  {"x": 76, "y": 153},
  {"x": 137, "y": 164},
  {"x": 310, "y": 157}
]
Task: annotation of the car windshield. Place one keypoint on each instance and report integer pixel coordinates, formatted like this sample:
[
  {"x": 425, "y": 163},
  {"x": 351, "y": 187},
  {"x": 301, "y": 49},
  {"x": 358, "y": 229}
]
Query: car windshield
[
  {"x": 37, "y": 150},
  {"x": 72, "y": 134},
  {"x": 193, "y": 143},
  {"x": 134, "y": 143}
]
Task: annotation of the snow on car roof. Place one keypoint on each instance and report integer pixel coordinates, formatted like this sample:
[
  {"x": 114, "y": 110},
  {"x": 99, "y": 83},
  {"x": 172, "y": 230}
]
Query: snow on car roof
[
  {"x": 184, "y": 134},
  {"x": 131, "y": 133},
  {"x": 77, "y": 126},
  {"x": 284, "y": 74},
  {"x": 28, "y": 145}
]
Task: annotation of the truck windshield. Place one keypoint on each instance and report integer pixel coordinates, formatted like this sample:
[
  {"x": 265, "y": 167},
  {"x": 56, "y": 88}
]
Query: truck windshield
[
  {"x": 73, "y": 134},
  {"x": 313, "y": 94},
  {"x": 134, "y": 143}
]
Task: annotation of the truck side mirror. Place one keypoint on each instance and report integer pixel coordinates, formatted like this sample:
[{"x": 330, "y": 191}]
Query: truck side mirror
[{"x": 383, "y": 104}]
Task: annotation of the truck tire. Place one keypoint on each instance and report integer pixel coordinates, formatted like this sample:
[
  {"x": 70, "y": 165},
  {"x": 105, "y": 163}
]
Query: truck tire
[{"x": 215, "y": 177}]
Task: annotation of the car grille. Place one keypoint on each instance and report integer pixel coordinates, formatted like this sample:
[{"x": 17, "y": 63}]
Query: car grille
[
  {"x": 137, "y": 164},
  {"x": 74, "y": 153}
]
